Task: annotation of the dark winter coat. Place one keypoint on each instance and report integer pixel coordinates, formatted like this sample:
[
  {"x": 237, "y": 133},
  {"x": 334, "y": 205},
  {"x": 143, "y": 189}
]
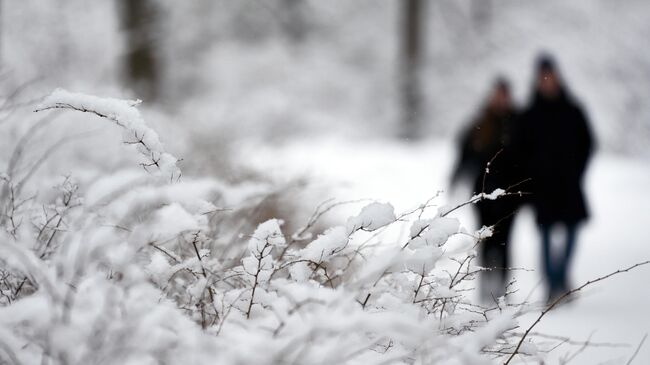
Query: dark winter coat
[
  {"x": 489, "y": 140},
  {"x": 555, "y": 145}
]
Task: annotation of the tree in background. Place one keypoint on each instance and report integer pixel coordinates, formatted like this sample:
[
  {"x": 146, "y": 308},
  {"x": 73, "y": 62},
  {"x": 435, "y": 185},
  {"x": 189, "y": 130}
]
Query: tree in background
[
  {"x": 293, "y": 20},
  {"x": 411, "y": 51},
  {"x": 141, "y": 65},
  {"x": 481, "y": 13},
  {"x": 1, "y": 26}
]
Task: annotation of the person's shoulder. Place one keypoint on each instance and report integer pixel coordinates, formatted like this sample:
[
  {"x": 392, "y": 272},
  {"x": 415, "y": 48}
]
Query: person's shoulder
[
  {"x": 526, "y": 114},
  {"x": 512, "y": 117},
  {"x": 517, "y": 113},
  {"x": 573, "y": 103},
  {"x": 576, "y": 109},
  {"x": 514, "y": 111}
]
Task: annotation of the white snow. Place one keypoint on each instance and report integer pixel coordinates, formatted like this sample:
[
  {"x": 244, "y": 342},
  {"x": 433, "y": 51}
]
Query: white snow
[
  {"x": 491, "y": 196},
  {"x": 173, "y": 219},
  {"x": 331, "y": 242},
  {"x": 373, "y": 216}
]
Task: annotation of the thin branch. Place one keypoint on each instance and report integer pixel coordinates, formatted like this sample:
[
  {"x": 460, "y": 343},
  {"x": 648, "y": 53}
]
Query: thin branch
[
  {"x": 487, "y": 169},
  {"x": 562, "y": 297},
  {"x": 636, "y": 352}
]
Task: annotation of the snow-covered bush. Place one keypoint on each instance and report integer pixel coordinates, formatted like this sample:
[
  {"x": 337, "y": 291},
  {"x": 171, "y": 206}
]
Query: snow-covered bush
[{"x": 141, "y": 270}]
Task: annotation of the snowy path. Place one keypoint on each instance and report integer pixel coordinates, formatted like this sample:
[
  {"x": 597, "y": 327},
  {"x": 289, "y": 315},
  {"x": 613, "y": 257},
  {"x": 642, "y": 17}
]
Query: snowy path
[{"x": 616, "y": 310}]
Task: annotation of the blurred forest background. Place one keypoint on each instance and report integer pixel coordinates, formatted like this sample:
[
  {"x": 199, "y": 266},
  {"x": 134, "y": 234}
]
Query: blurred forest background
[{"x": 276, "y": 69}]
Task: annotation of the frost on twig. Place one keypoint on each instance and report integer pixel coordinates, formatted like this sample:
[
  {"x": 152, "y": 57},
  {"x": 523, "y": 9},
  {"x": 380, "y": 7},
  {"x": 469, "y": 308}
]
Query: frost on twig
[
  {"x": 259, "y": 265},
  {"x": 125, "y": 114}
]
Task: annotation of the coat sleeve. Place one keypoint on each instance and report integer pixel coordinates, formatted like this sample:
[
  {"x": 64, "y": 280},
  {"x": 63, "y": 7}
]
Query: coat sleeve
[
  {"x": 521, "y": 145},
  {"x": 464, "y": 159}
]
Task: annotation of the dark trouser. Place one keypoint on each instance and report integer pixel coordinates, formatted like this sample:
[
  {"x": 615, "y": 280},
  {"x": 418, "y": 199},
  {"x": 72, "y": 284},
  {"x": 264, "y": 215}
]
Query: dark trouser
[
  {"x": 556, "y": 266},
  {"x": 494, "y": 253}
]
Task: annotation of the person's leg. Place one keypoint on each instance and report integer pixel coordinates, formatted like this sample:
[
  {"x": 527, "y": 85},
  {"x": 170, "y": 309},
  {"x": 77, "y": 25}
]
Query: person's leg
[
  {"x": 492, "y": 253},
  {"x": 487, "y": 255},
  {"x": 494, "y": 256},
  {"x": 503, "y": 229},
  {"x": 547, "y": 259},
  {"x": 565, "y": 263},
  {"x": 490, "y": 259}
]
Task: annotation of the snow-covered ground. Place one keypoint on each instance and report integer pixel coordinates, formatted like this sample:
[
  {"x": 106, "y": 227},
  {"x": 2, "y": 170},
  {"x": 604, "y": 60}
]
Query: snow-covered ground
[{"x": 613, "y": 311}]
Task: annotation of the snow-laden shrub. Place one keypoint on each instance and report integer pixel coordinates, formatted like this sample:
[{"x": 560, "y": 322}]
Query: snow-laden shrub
[{"x": 138, "y": 273}]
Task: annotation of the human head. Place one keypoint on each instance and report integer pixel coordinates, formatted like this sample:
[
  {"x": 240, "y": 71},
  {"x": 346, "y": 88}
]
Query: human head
[
  {"x": 500, "y": 99},
  {"x": 548, "y": 83}
]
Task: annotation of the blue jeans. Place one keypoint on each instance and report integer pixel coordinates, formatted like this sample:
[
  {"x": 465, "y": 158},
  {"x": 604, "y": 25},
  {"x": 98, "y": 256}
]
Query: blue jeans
[{"x": 556, "y": 267}]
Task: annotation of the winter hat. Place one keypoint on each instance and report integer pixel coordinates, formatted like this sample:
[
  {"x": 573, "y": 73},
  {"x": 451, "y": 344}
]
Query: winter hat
[
  {"x": 545, "y": 63},
  {"x": 500, "y": 82}
]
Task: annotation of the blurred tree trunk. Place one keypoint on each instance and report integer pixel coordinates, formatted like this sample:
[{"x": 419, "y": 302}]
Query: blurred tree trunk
[
  {"x": 411, "y": 53},
  {"x": 1, "y": 33},
  {"x": 481, "y": 14},
  {"x": 141, "y": 66},
  {"x": 293, "y": 20}
]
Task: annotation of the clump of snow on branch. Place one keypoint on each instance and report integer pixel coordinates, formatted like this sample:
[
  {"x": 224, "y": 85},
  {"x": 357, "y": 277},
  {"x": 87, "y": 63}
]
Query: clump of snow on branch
[
  {"x": 125, "y": 114},
  {"x": 491, "y": 196},
  {"x": 372, "y": 217}
]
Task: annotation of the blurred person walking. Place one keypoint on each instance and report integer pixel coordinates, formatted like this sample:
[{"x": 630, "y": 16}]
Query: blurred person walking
[
  {"x": 556, "y": 143},
  {"x": 488, "y": 158}
]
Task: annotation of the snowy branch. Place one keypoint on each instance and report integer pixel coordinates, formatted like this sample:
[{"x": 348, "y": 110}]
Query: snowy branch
[{"x": 125, "y": 114}]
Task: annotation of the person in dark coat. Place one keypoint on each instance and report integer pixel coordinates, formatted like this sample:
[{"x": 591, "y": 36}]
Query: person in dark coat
[
  {"x": 487, "y": 157},
  {"x": 556, "y": 143}
]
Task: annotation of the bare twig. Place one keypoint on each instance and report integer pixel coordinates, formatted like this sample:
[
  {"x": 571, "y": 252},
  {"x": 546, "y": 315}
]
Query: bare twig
[
  {"x": 562, "y": 297},
  {"x": 487, "y": 168},
  {"x": 636, "y": 352}
]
